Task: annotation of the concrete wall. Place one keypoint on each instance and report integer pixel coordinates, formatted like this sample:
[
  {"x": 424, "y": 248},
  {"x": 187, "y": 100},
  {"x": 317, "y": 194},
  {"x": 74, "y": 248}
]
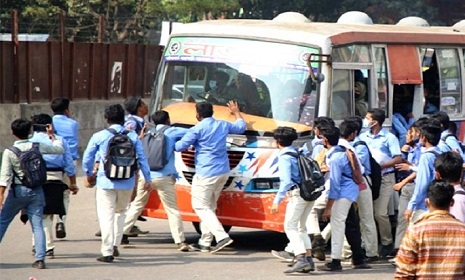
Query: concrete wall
[{"x": 89, "y": 114}]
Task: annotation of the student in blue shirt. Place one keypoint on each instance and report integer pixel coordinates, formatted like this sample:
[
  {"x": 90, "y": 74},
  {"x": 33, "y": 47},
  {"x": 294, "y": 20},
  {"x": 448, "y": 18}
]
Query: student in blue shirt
[
  {"x": 67, "y": 128},
  {"x": 208, "y": 138},
  {"x": 384, "y": 147},
  {"x": 343, "y": 192},
  {"x": 57, "y": 167},
  {"x": 448, "y": 141},
  {"x": 163, "y": 181},
  {"x": 430, "y": 135},
  {"x": 113, "y": 196},
  {"x": 137, "y": 110},
  {"x": 297, "y": 209}
]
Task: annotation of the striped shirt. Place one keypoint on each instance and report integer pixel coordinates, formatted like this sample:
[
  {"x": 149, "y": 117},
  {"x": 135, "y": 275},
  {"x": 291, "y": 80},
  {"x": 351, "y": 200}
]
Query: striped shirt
[{"x": 433, "y": 248}]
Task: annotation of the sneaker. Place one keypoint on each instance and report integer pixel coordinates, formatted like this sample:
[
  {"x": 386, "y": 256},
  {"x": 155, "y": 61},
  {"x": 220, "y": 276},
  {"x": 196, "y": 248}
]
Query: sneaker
[
  {"x": 319, "y": 254},
  {"x": 283, "y": 255},
  {"x": 107, "y": 259},
  {"x": 221, "y": 244},
  {"x": 39, "y": 264},
  {"x": 198, "y": 247},
  {"x": 142, "y": 219},
  {"x": 115, "y": 251},
  {"x": 183, "y": 247},
  {"x": 50, "y": 254},
  {"x": 125, "y": 240},
  {"x": 311, "y": 262},
  {"x": 301, "y": 265},
  {"x": 60, "y": 230},
  {"x": 331, "y": 266},
  {"x": 136, "y": 230}
]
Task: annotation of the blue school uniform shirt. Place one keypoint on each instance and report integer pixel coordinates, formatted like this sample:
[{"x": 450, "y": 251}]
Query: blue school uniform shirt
[
  {"x": 208, "y": 138},
  {"x": 383, "y": 142},
  {"x": 425, "y": 175},
  {"x": 55, "y": 161},
  {"x": 340, "y": 175},
  {"x": 172, "y": 135},
  {"x": 288, "y": 172},
  {"x": 68, "y": 129},
  {"x": 363, "y": 155},
  {"x": 97, "y": 148}
]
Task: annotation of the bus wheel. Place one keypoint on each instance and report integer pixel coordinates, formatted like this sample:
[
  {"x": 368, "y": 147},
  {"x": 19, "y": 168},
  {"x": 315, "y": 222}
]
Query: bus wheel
[{"x": 197, "y": 227}]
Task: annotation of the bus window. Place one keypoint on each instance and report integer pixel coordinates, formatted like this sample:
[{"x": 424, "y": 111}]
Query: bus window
[
  {"x": 430, "y": 81},
  {"x": 351, "y": 53},
  {"x": 380, "y": 100},
  {"x": 449, "y": 81},
  {"x": 341, "y": 94}
]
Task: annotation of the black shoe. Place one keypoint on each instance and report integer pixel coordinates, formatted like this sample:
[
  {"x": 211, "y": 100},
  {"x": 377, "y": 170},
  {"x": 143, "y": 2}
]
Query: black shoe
[
  {"x": 335, "y": 265},
  {"x": 60, "y": 230},
  {"x": 371, "y": 259},
  {"x": 221, "y": 244},
  {"x": 39, "y": 264},
  {"x": 98, "y": 234},
  {"x": 386, "y": 250},
  {"x": 50, "y": 254},
  {"x": 362, "y": 265},
  {"x": 142, "y": 219},
  {"x": 125, "y": 240},
  {"x": 107, "y": 259},
  {"x": 115, "y": 251}
]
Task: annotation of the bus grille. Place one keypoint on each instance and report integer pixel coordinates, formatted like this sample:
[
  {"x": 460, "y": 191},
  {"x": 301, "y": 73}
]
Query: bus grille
[
  {"x": 188, "y": 157},
  {"x": 190, "y": 175}
]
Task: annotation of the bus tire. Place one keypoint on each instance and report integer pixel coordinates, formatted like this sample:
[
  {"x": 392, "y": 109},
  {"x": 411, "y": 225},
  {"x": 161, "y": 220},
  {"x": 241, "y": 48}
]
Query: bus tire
[{"x": 197, "y": 227}]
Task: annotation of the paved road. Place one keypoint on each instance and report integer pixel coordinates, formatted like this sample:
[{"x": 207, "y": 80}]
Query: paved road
[{"x": 153, "y": 256}]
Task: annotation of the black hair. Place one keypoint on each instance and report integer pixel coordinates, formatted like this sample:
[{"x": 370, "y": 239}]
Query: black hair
[
  {"x": 358, "y": 120},
  {"x": 204, "y": 109},
  {"x": 331, "y": 134},
  {"x": 21, "y": 128},
  {"x": 114, "y": 114},
  {"x": 285, "y": 135},
  {"x": 443, "y": 118},
  {"x": 449, "y": 166},
  {"x": 452, "y": 128},
  {"x": 431, "y": 130},
  {"x": 420, "y": 122},
  {"x": 60, "y": 105},
  {"x": 440, "y": 194},
  {"x": 346, "y": 128},
  {"x": 320, "y": 122},
  {"x": 131, "y": 104},
  {"x": 39, "y": 122},
  {"x": 160, "y": 117},
  {"x": 377, "y": 115},
  {"x": 223, "y": 76}
]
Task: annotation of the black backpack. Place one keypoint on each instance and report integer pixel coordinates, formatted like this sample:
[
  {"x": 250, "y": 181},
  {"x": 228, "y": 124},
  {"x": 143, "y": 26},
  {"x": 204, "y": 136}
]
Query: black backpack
[
  {"x": 33, "y": 166},
  {"x": 375, "y": 175},
  {"x": 121, "y": 160},
  {"x": 312, "y": 179},
  {"x": 154, "y": 143}
]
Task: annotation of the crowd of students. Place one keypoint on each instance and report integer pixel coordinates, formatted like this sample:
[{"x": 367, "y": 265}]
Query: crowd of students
[{"x": 411, "y": 179}]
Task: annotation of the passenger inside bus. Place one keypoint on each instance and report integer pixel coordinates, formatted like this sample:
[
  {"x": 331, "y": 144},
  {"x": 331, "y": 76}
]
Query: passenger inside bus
[
  {"x": 402, "y": 117},
  {"x": 431, "y": 84},
  {"x": 361, "y": 105}
]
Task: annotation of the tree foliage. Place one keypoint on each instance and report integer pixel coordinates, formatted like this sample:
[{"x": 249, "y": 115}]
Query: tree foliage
[{"x": 130, "y": 20}]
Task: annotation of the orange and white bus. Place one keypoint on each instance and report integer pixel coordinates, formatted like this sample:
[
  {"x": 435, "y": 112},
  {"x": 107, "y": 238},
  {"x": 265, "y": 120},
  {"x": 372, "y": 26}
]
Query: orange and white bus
[{"x": 287, "y": 71}]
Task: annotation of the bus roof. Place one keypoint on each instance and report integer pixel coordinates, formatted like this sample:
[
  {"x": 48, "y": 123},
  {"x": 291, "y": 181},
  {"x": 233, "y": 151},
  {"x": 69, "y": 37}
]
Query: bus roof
[{"x": 320, "y": 34}]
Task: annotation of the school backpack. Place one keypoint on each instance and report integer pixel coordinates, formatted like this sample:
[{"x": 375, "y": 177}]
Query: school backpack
[
  {"x": 375, "y": 175},
  {"x": 462, "y": 146},
  {"x": 154, "y": 143},
  {"x": 121, "y": 161},
  {"x": 312, "y": 179},
  {"x": 33, "y": 166}
]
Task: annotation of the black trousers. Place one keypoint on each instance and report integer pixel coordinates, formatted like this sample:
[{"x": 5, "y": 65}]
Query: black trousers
[{"x": 353, "y": 236}]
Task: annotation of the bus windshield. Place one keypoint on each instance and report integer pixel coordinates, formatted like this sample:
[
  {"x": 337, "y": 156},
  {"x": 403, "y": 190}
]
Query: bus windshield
[{"x": 268, "y": 80}]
